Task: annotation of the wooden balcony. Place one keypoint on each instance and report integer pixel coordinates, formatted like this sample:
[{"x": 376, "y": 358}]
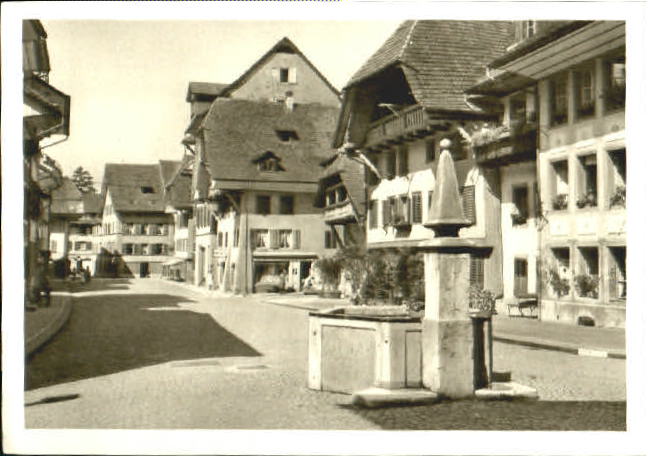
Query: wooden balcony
[
  {"x": 506, "y": 145},
  {"x": 339, "y": 213},
  {"x": 410, "y": 122}
]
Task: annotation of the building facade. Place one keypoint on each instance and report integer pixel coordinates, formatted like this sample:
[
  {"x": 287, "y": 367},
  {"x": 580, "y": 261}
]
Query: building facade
[
  {"x": 256, "y": 152},
  {"x": 571, "y": 76},
  {"x": 46, "y": 120},
  {"x": 135, "y": 237},
  {"x": 398, "y": 107}
]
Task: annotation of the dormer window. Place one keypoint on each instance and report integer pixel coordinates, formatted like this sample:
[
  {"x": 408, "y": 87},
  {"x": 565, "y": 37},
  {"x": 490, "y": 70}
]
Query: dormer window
[
  {"x": 287, "y": 135},
  {"x": 147, "y": 189},
  {"x": 268, "y": 162},
  {"x": 529, "y": 29}
]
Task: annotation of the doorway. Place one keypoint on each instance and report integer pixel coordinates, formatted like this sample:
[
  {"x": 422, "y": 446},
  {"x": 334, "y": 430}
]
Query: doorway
[
  {"x": 521, "y": 280},
  {"x": 144, "y": 269}
]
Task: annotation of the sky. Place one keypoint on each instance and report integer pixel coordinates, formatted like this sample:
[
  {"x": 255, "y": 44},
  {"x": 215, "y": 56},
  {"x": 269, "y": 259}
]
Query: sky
[{"x": 128, "y": 79}]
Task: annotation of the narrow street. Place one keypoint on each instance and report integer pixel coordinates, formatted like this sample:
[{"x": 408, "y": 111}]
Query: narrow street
[{"x": 152, "y": 354}]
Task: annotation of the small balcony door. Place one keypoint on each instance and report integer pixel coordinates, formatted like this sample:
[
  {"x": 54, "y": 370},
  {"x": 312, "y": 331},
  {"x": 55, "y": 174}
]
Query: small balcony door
[{"x": 521, "y": 280}]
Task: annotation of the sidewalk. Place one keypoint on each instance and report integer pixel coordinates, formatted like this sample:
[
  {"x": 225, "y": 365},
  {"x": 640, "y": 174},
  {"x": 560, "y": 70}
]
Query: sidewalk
[{"x": 578, "y": 340}]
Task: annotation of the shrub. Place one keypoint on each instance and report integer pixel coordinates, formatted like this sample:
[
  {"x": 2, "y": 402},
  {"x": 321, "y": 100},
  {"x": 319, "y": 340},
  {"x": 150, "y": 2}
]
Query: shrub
[
  {"x": 329, "y": 268},
  {"x": 559, "y": 202},
  {"x": 480, "y": 299},
  {"x": 559, "y": 284},
  {"x": 618, "y": 198},
  {"x": 587, "y": 285}
]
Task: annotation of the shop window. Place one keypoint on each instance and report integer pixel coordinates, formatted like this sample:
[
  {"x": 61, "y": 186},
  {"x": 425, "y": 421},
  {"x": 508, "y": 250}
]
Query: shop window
[
  {"x": 373, "y": 214},
  {"x": 417, "y": 207},
  {"x": 520, "y": 212},
  {"x": 286, "y": 204},
  {"x": 615, "y": 84},
  {"x": 558, "y": 99},
  {"x": 430, "y": 149},
  {"x": 587, "y": 182},
  {"x": 587, "y": 279},
  {"x": 617, "y": 273},
  {"x": 618, "y": 178},
  {"x": 560, "y": 184},
  {"x": 263, "y": 204},
  {"x": 584, "y": 91}
]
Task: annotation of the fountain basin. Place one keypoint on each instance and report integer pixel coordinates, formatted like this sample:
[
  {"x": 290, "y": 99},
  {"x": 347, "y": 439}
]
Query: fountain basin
[{"x": 358, "y": 347}]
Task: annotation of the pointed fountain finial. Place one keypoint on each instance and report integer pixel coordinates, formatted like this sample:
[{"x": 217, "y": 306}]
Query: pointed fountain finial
[{"x": 446, "y": 215}]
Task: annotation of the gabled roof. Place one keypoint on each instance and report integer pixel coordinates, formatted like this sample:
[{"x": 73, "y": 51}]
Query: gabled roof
[
  {"x": 208, "y": 89},
  {"x": 283, "y": 45},
  {"x": 439, "y": 58},
  {"x": 177, "y": 182},
  {"x": 237, "y": 132},
  {"x": 67, "y": 199},
  {"x": 124, "y": 181}
]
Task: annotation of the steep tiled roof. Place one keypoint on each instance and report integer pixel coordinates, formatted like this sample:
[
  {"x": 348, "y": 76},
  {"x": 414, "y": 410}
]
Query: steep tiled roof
[
  {"x": 237, "y": 132},
  {"x": 124, "y": 181},
  {"x": 177, "y": 182},
  {"x": 92, "y": 203},
  {"x": 211, "y": 89},
  {"x": 440, "y": 59},
  {"x": 67, "y": 199}
]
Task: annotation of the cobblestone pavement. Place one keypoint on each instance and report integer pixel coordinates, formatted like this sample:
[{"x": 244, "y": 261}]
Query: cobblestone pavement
[{"x": 147, "y": 354}]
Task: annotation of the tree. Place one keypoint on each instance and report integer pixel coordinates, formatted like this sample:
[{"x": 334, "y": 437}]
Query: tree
[{"x": 83, "y": 180}]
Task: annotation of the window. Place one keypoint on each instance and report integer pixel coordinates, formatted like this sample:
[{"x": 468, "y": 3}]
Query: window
[
  {"x": 617, "y": 278},
  {"x": 373, "y": 214},
  {"x": 468, "y": 202},
  {"x": 283, "y": 74},
  {"x": 528, "y": 29},
  {"x": 587, "y": 196},
  {"x": 476, "y": 271},
  {"x": 127, "y": 249},
  {"x": 341, "y": 192},
  {"x": 518, "y": 108},
  {"x": 430, "y": 149},
  {"x": 417, "y": 207},
  {"x": 147, "y": 189},
  {"x": 401, "y": 210},
  {"x": 587, "y": 280},
  {"x": 390, "y": 170},
  {"x": 520, "y": 212},
  {"x": 584, "y": 89},
  {"x": 260, "y": 238},
  {"x": 370, "y": 176},
  {"x": 145, "y": 249},
  {"x": 329, "y": 239},
  {"x": 615, "y": 84},
  {"x": 263, "y": 204},
  {"x": 430, "y": 195},
  {"x": 403, "y": 160},
  {"x": 618, "y": 178},
  {"x": 286, "y": 204},
  {"x": 237, "y": 235},
  {"x": 156, "y": 249},
  {"x": 558, "y": 98},
  {"x": 560, "y": 190},
  {"x": 285, "y": 239},
  {"x": 53, "y": 246},
  {"x": 219, "y": 239},
  {"x": 287, "y": 135},
  {"x": 386, "y": 212}
]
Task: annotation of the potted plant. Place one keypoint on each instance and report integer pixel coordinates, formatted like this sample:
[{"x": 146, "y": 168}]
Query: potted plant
[
  {"x": 559, "y": 202},
  {"x": 518, "y": 218},
  {"x": 618, "y": 198},
  {"x": 330, "y": 269},
  {"x": 559, "y": 284},
  {"x": 481, "y": 303},
  {"x": 587, "y": 200},
  {"x": 587, "y": 285}
]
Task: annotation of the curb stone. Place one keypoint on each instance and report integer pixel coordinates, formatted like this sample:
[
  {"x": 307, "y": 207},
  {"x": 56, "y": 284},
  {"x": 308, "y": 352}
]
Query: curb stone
[{"x": 54, "y": 326}]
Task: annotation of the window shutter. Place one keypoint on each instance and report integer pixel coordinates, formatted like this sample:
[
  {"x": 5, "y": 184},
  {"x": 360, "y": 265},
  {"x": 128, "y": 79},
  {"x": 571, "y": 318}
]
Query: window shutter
[
  {"x": 274, "y": 239},
  {"x": 417, "y": 208},
  {"x": 386, "y": 212},
  {"x": 477, "y": 271},
  {"x": 468, "y": 201},
  {"x": 613, "y": 283},
  {"x": 296, "y": 239},
  {"x": 275, "y": 74},
  {"x": 292, "y": 75},
  {"x": 373, "y": 214}
]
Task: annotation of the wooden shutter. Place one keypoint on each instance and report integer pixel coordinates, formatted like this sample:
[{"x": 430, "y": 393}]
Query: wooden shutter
[
  {"x": 468, "y": 201},
  {"x": 296, "y": 239},
  {"x": 477, "y": 271},
  {"x": 386, "y": 212},
  {"x": 417, "y": 208},
  {"x": 373, "y": 214},
  {"x": 274, "y": 239},
  {"x": 292, "y": 75},
  {"x": 275, "y": 74}
]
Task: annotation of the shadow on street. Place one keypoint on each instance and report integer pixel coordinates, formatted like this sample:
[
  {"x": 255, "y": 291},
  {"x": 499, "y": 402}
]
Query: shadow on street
[
  {"x": 112, "y": 333},
  {"x": 502, "y": 415}
]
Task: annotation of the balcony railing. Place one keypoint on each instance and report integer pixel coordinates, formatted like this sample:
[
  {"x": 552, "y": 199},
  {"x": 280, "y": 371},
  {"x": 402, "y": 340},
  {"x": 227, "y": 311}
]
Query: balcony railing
[
  {"x": 506, "y": 144},
  {"x": 409, "y": 120},
  {"x": 339, "y": 213}
]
